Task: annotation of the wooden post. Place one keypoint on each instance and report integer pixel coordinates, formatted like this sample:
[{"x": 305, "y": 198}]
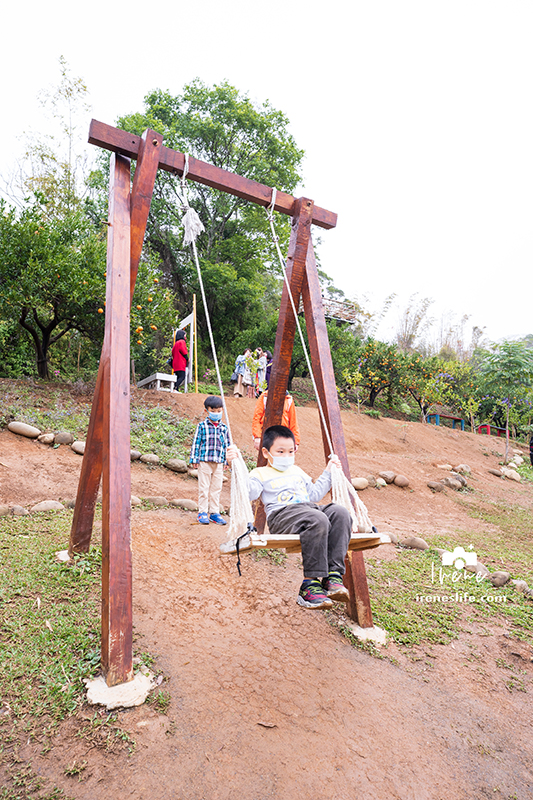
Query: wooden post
[
  {"x": 91, "y": 468},
  {"x": 279, "y": 376},
  {"x": 116, "y": 507},
  {"x": 317, "y": 332}
]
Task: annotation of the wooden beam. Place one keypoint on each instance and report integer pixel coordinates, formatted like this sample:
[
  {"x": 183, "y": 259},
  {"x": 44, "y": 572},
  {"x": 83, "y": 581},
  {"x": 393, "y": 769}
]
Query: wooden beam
[
  {"x": 320, "y": 350},
  {"x": 279, "y": 376},
  {"x": 117, "y": 647},
  {"x": 119, "y": 141},
  {"x": 91, "y": 468}
]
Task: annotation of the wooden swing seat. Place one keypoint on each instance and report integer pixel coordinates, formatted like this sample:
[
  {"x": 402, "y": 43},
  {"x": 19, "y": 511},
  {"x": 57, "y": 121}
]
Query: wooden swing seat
[{"x": 291, "y": 542}]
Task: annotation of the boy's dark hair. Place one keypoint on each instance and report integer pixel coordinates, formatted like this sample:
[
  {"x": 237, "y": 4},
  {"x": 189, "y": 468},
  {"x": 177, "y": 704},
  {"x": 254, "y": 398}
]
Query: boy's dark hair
[
  {"x": 276, "y": 432},
  {"x": 213, "y": 402}
]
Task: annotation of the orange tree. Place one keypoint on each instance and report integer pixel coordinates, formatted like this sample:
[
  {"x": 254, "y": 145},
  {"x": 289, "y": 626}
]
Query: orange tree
[{"x": 380, "y": 367}]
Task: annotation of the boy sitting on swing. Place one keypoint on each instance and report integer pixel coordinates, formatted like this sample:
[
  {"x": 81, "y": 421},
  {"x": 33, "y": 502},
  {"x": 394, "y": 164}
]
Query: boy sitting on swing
[{"x": 290, "y": 496}]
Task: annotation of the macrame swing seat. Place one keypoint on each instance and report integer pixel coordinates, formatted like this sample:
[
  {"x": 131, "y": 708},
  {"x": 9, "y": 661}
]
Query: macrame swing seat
[{"x": 241, "y": 534}]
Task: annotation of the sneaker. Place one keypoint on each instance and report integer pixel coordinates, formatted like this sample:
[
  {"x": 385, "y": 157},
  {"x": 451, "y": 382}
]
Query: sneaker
[
  {"x": 203, "y": 518},
  {"x": 334, "y": 587},
  {"x": 218, "y": 519},
  {"x": 312, "y": 595}
]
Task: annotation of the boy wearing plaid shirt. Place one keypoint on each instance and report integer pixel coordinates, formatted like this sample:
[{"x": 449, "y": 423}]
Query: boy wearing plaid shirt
[{"x": 208, "y": 454}]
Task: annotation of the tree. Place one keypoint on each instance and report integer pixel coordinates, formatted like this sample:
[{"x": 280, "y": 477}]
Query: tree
[
  {"x": 413, "y": 324},
  {"x": 218, "y": 125},
  {"x": 508, "y": 374}
]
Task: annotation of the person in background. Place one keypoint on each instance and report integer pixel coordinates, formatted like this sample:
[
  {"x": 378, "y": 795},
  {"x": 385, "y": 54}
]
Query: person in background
[
  {"x": 250, "y": 373},
  {"x": 261, "y": 384},
  {"x": 240, "y": 367},
  {"x": 208, "y": 455},
  {"x": 268, "y": 366},
  {"x": 531, "y": 449},
  {"x": 180, "y": 358},
  {"x": 288, "y": 419}
]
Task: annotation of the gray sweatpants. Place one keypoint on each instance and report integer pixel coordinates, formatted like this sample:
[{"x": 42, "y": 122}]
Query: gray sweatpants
[{"x": 324, "y": 533}]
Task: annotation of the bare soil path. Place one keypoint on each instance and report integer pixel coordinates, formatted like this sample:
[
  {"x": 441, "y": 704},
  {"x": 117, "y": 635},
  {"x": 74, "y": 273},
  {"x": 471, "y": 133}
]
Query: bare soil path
[{"x": 268, "y": 699}]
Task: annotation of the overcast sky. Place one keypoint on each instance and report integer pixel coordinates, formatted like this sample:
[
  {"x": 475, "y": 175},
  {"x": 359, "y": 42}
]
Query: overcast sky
[{"x": 416, "y": 118}]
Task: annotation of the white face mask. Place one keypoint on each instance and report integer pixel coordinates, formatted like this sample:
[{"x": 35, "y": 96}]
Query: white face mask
[{"x": 282, "y": 462}]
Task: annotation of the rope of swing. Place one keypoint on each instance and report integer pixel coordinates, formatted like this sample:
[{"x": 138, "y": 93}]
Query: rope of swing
[
  {"x": 341, "y": 488},
  {"x": 241, "y": 513}
]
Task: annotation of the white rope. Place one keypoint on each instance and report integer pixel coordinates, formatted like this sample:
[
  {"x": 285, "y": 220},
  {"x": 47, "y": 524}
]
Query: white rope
[
  {"x": 275, "y": 239},
  {"x": 341, "y": 492},
  {"x": 241, "y": 513},
  {"x": 341, "y": 488}
]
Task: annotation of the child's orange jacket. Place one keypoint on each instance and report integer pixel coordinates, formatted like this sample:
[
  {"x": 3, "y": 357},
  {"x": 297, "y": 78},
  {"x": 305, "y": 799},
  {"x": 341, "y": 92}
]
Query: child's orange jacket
[{"x": 288, "y": 419}]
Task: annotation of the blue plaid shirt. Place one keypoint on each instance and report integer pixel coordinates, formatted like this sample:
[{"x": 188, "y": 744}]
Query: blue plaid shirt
[{"x": 210, "y": 442}]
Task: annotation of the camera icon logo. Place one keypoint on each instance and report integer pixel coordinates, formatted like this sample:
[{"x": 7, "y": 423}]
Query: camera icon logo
[{"x": 458, "y": 558}]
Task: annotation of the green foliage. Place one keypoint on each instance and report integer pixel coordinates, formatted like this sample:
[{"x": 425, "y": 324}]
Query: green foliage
[{"x": 220, "y": 126}]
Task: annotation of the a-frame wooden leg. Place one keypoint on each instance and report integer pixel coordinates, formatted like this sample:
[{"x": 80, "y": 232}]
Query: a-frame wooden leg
[
  {"x": 116, "y": 506},
  {"x": 279, "y": 378},
  {"x": 360, "y": 609},
  {"x": 91, "y": 469}
]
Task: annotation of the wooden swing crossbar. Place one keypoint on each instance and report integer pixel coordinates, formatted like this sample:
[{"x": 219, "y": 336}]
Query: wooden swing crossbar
[{"x": 107, "y": 450}]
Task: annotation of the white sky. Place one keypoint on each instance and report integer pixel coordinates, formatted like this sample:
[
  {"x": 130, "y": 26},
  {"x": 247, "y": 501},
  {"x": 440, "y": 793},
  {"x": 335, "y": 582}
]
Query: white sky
[{"x": 415, "y": 115}]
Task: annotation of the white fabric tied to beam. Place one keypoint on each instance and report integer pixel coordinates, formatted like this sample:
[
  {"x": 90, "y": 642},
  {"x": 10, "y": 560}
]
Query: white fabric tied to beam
[
  {"x": 193, "y": 226},
  {"x": 342, "y": 493}
]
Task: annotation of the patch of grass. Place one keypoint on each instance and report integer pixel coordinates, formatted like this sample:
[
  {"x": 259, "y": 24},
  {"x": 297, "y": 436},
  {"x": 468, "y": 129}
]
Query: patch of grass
[
  {"x": 102, "y": 731},
  {"x": 277, "y": 557},
  {"x": 49, "y": 631},
  {"x": 373, "y": 413},
  {"x": 157, "y": 430},
  {"x": 160, "y": 701}
]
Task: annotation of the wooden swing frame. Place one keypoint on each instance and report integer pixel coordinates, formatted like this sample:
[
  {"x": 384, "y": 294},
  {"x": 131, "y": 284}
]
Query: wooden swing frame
[{"x": 107, "y": 450}]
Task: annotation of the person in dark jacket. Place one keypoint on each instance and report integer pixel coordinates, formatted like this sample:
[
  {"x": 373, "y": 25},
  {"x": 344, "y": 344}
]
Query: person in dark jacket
[
  {"x": 531, "y": 450},
  {"x": 180, "y": 358}
]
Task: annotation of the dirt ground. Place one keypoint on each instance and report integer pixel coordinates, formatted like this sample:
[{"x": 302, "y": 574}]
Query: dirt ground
[{"x": 268, "y": 699}]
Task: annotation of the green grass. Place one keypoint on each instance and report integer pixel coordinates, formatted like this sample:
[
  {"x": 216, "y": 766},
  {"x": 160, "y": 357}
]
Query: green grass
[
  {"x": 399, "y": 590},
  {"x": 49, "y": 632},
  {"x": 159, "y": 431}
]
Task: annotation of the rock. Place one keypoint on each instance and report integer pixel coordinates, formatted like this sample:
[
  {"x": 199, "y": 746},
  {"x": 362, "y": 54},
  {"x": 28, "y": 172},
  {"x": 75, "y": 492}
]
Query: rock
[
  {"x": 380, "y": 482},
  {"x": 436, "y": 486},
  {"x": 511, "y": 474},
  {"x": 499, "y": 578},
  {"x": 150, "y": 458},
  {"x": 4, "y": 511},
  {"x": 156, "y": 501},
  {"x": 478, "y": 569},
  {"x": 20, "y": 511},
  {"x": 445, "y": 466},
  {"x": 463, "y": 469},
  {"x": 360, "y": 484},
  {"x": 452, "y": 483},
  {"x": 520, "y": 586},
  {"x": 371, "y": 480},
  {"x": 176, "y": 465},
  {"x": 135, "y": 501},
  {"x": 388, "y": 476},
  {"x": 496, "y": 472},
  {"x": 415, "y": 543},
  {"x": 70, "y": 503},
  {"x": 48, "y": 505},
  {"x": 393, "y": 538},
  {"x": 46, "y": 438},
  {"x": 64, "y": 437},
  {"x": 439, "y": 551},
  {"x": 458, "y": 477},
  {"x": 193, "y": 473},
  {"x": 78, "y": 447},
  {"x": 135, "y": 455},
  {"x": 22, "y": 429},
  {"x": 401, "y": 481},
  {"x": 184, "y": 502},
  {"x": 517, "y": 460}
]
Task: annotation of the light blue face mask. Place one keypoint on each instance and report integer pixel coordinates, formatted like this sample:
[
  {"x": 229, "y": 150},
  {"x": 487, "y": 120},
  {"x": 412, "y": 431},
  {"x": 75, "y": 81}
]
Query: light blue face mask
[
  {"x": 282, "y": 462},
  {"x": 215, "y": 416}
]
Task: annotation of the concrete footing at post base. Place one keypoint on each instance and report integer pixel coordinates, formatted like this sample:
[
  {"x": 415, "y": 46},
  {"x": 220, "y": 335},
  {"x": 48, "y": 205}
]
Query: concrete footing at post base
[
  {"x": 123, "y": 695},
  {"x": 375, "y": 635}
]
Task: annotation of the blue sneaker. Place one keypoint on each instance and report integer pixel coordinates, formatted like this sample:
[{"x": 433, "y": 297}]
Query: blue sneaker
[
  {"x": 203, "y": 518},
  {"x": 218, "y": 519},
  {"x": 335, "y": 588}
]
